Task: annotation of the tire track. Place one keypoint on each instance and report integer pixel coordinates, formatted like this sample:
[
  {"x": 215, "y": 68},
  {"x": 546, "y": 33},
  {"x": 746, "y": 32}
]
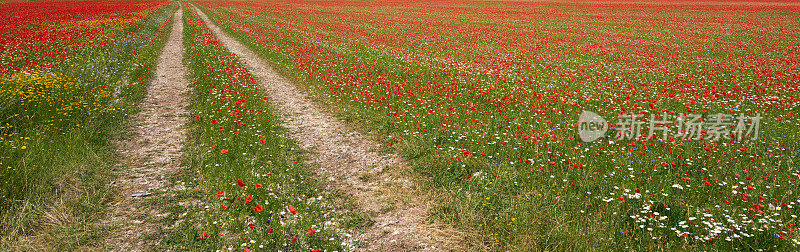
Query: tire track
[
  {"x": 152, "y": 154},
  {"x": 378, "y": 183}
]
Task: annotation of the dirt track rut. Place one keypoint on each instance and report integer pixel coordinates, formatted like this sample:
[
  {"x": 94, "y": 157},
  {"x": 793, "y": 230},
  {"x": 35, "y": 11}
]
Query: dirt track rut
[
  {"x": 348, "y": 161},
  {"x": 153, "y": 152}
]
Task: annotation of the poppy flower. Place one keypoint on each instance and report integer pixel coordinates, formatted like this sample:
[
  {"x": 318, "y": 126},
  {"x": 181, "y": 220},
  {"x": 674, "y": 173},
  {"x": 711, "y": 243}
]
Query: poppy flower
[
  {"x": 248, "y": 199},
  {"x": 258, "y": 185},
  {"x": 224, "y": 206},
  {"x": 251, "y": 226},
  {"x": 240, "y": 183},
  {"x": 224, "y": 151},
  {"x": 258, "y": 208},
  {"x": 219, "y": 194},
  {"x": 312, "y": 232},
  {"x": 263, "y": 141},
  {"x": 291, "y": 209},
  {"x": 270, "y": 231}
]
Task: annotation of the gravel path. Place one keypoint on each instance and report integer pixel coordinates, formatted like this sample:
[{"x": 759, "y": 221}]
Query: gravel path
[
  {"x": 152, "y": 154},
  {"x": 376, "y": 182}
]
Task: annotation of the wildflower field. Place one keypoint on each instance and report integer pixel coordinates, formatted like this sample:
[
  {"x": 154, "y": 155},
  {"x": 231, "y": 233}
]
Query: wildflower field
[
  {"x": 251, "y": 176},
  {"x": 538, "y": 126},
  {"x": 68, "y": 72},
  {"x": 485, "y": 98}
]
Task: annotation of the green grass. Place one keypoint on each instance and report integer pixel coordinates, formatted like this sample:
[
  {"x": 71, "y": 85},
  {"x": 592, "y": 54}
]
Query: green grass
[
  {"x": 519, "y": 205},
  {"x": 54, "y": 191},
  {"x": 236, "y": 137}
]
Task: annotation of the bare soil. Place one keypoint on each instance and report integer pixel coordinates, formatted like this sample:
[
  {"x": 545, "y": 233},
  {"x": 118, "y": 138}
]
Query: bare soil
[
  {"x": 153, "y": 152},
  {"x": 381, "y": 185}
]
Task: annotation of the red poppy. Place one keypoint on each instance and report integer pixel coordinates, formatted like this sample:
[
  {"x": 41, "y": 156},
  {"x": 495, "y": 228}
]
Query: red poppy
[
  {"x": 258, "y": 208},
  {"x": 252, "y": 226},
  {"x": 224, "y": 151},
  {"x": 263, "y": 140},
  {"x": 219, "y": 194},
  {"x": 291, "y": 209},
  {"x": 248, "y": 199},
  {"x": 258, "y": 185},
  {"x": 270, "y": 231},
  {"x": 241, "y": 184},
  {"x": 312, "y": 232},
  {"x": 224, "y": 206}
]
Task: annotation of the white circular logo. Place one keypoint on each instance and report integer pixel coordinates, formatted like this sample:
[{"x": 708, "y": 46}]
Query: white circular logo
[{"x": 591, "y": 126}]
